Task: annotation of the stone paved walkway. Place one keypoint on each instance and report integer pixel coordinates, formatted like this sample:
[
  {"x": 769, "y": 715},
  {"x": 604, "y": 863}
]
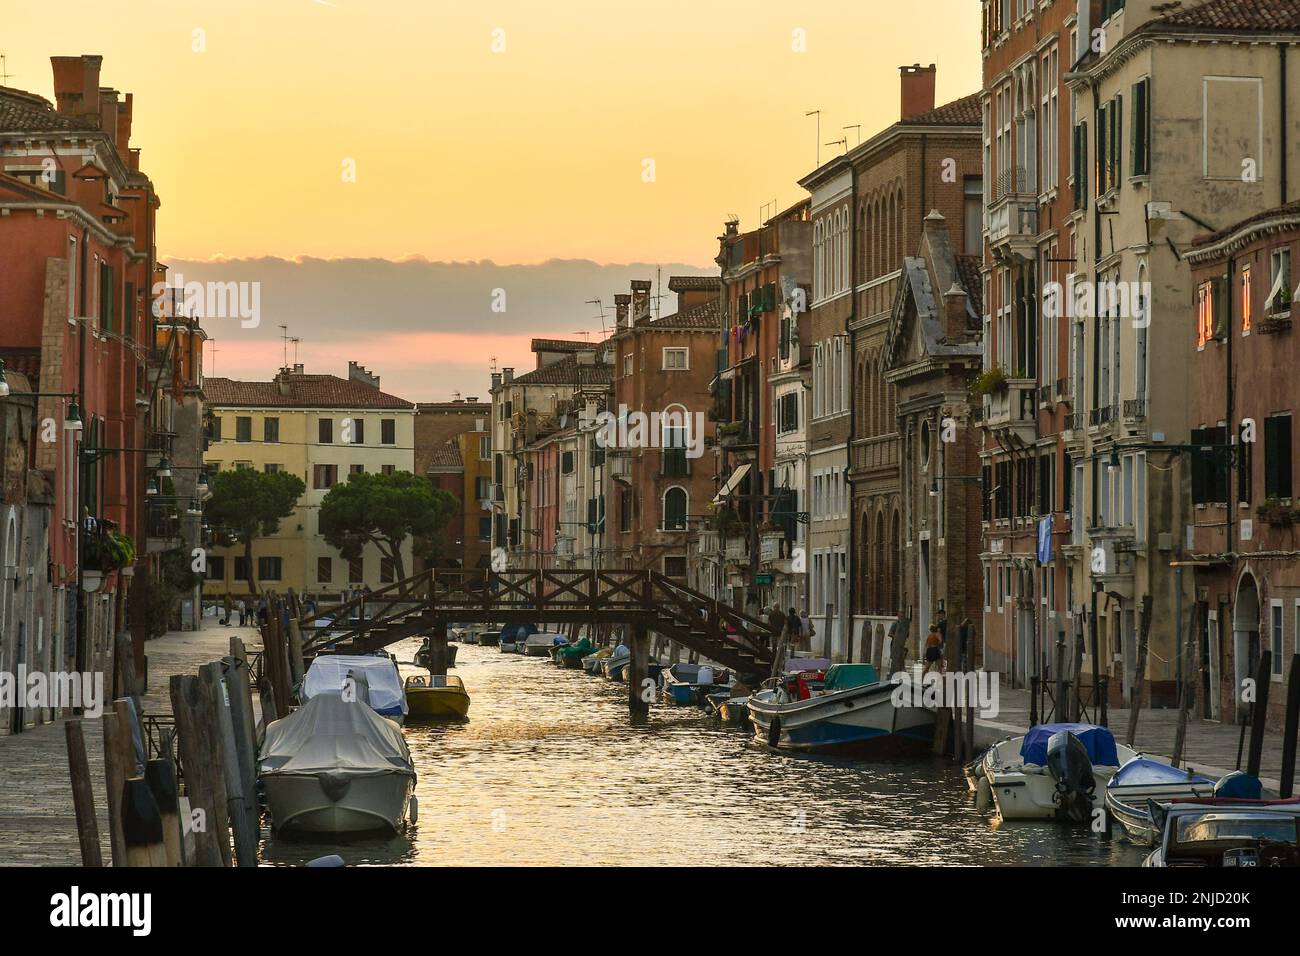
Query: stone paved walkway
[{"x": 37, "y": 823}]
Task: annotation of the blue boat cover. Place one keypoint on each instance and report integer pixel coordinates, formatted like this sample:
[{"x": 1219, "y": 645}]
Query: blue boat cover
[
  {"x": 1141, "y": 771},
  {"x": 1099, "y": 742},
  {"x": 1239, "y": 785},
  {"x": 846, "y": 676}
]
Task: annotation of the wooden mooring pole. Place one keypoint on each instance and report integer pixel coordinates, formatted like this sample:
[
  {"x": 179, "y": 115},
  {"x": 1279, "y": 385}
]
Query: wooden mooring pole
[
  {"x": 240, "y": 793},
  {"x": 1290, "y": 728},
  {"x": 1259, "y": 712},
  {"x": 1135, "y": 702},
  {"x": 83, "y": 794},
  {"x": 204, "y": 779},
  {"x": 638, "y": 670}
]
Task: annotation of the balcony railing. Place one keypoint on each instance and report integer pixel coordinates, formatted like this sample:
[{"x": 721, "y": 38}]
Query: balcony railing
[
  {"x": 1135, "y": 408},
  {"x": 1101, "y": 416},
  {"x": 1062, "y": 388},
  {"x": 1074, "y": 421}
]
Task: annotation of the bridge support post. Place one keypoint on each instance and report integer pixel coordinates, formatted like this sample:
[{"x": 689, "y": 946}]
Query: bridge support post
[
  {"x": 438, "y": 648},
  {"x": 638, "y": 670}
]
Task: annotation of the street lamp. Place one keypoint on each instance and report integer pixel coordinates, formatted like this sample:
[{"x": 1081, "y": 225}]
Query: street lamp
[{"x": 164, "y": 469}]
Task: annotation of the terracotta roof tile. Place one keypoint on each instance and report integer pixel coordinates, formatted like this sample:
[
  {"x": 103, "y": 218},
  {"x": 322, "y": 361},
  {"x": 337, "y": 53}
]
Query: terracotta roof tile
[
  {"x": 305, "y": 391},
  {"x": 559, "y": 345},
  {"x": 706, "y": 315},
  {"x": 694, "y": 283},
  {"x": 26, "y": 112},
  {"x": 445, "y": 455},
  {"x": 963, "y": 112},
  {"x": 1232, "y": 15},
  {"x": 567, "y": 371}
]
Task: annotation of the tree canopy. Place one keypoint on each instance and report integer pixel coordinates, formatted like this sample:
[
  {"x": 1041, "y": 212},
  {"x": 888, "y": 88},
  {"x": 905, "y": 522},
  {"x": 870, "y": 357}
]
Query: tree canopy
[
  {"x": 385, "y": 510},
  {"x": 250, "y": 504}
]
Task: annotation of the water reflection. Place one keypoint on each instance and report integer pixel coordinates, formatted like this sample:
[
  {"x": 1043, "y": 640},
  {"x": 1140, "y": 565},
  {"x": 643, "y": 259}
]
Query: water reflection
[{"x": 549, "y": 770}]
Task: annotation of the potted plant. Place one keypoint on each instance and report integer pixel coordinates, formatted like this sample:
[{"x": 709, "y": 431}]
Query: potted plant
[
  {"x": 1273, "y": 511},
  {"x": 989, "y": 381}
]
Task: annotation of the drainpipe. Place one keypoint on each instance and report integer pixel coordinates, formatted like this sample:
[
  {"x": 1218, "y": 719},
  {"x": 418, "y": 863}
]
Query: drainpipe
[
  {"x": 1282, "y": 117},
  {"x": 79, "y": 623}
]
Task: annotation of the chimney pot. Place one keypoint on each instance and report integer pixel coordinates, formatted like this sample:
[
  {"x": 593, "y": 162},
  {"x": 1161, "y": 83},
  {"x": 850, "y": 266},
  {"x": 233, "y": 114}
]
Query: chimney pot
[{"x": 508, "y": 375}]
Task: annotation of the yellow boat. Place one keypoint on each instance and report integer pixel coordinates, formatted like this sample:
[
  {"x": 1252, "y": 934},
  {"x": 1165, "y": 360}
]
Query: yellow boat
[{"x": 436, "y": 696}]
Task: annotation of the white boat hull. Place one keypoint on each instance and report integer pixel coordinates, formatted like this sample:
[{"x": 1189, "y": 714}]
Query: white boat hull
[
  {"x": 1023, "y": 792},
  {"x": 860, "y": 720},
  {"x": 303, "y": 803}
]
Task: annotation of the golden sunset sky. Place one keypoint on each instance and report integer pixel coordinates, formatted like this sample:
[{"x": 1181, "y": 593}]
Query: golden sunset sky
[{"x": 462, "y": 153}]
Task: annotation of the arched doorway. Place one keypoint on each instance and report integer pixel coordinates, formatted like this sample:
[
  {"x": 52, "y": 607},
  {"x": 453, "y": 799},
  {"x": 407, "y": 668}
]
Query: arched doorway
[{"x": 1245, "y": 639}]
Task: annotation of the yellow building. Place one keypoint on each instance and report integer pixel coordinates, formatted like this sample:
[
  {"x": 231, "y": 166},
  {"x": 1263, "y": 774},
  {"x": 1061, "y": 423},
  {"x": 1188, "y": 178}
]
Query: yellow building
[{"x": 321, "y": 428}]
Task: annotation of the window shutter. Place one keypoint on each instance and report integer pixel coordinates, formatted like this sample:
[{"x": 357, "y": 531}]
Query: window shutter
[
  {"x": 1117, "y": 140},
  {"x": 1243, "y": 468},
  {"x": 1219, "y": 305}
]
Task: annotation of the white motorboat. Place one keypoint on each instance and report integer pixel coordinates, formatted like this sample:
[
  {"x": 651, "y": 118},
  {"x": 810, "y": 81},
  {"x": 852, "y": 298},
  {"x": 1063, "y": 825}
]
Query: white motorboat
[
  {"x": 541, "y": 643},
  {"x": 336, "y": 766},
  {"x": 373, "y": 678},
  {"x": 853, "y": 712},
  {"x": 1026, "y": 782},
  {"x": 1141, "y": 780}
]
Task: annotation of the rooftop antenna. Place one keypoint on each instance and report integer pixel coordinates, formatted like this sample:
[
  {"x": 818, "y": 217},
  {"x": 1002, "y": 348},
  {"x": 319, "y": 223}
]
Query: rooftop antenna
[
  {"x": 857, "y": 127},
  {"x": 493, "y": 360},
  {"x": 842, "y": 141},
  {"x": 4, "y": 71},
  {"x": 295, "y": 342},
  {"x": 213, "y": 343},
  {"x": 818, "y": 114},
  {"x": 284, "y": 336},
  {"x": 585, "y": 333},
  {"x": 601, "y": 306}
]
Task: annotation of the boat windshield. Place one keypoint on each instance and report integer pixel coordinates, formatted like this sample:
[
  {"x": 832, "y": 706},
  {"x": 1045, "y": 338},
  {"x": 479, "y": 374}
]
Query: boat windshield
[{"x": 1234, "y": 828}]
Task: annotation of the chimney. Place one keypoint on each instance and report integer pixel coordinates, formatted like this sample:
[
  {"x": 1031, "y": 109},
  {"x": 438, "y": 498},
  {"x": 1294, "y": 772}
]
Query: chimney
[
  {"x": 507, "y": 375},
  {"x": 471, "y": 399},
  {"x": 496, "y": 381},
  {"x": 918, "y": 89},
  {"x": 108, "y": 114},
  {"x": 124, "y": 128},
  {"x": 362, "y": 375},
  {"x": 76, "y": 84},
  {"x": 640, "y": 300},
  {"x": 282, "y": 383},
  {"x": 621, "y": 303},
  {"x": 299, "y": 369}
]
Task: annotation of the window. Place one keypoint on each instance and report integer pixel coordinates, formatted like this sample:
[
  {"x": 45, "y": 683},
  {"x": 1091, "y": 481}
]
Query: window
[
  {"x": 326, "y": 431},
  {"x": 1211, "y": 310},
  {"x": 676, "y": 360},
  {"x": 357, "y": 469},
  {"x": 387, "y": 572},
  {"x": 243, "y": 428},
  {"x": 107, "y": 297},
  {"x": 272, "y": 469},
  {"x": 1080, "y": 165},
  {"x": 324, "y": 570},
  {"x": 268, "y": 569},
  {"x": 674, "y": 566},
  {"x": 625, "y": 509},
  {"x": 216, "y": 569},
  {"x": 357, "y": 426},
  {"x": 387, "y": 469},
  {"x": 1209, "y": 471},
  {"x": 675, "y": 509},
  {"x": 973, "y": 215},
  {"x": 1275, "y": 637},
  {"x": 214, "y": 428},
  {"x": 1279, "y": 295},
  {"x": 241, "y": 569},
  {"x": 485, "y": 529},
  {"x": 484, "y": 447},
  {"x": 324, "y": 476},
  {"x": 1246, "y": 314},
  {"x": 627, "y": 364},
  {"x": 271, "y": 430},
  {"x": 482, "y": 488},
  {"x": 356, "y": 568},
  {"x": 566, "y": 463},
  {"x": 1277, "y": 456},
  {"x": 388, "y": 431},
  {"x": 1140, "y": 148},
  {"x": 787, "y": 413}
]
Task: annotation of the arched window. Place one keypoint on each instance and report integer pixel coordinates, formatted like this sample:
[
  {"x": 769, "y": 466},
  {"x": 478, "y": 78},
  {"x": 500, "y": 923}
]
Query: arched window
[{"x": 675, "y": 502}]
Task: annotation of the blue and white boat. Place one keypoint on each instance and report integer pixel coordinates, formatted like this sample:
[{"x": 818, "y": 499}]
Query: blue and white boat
[
  {"x": 687, "y": 684},
  {"x": 1143, "y": 779},
  {"x": 853, "y": 712}
]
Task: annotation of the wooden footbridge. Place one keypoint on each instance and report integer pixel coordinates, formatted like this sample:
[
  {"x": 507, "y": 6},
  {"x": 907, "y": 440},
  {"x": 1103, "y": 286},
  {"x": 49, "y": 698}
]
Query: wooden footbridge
[{"x": 426, "y": 603}]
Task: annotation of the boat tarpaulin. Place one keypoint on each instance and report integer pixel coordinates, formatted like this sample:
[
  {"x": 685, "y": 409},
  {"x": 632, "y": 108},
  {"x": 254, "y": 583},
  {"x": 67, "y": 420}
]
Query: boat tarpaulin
[
  {"x": 1099, "y": 742},
  {"x": 1143, "y": 771},
  {"x": 847, "y": 676},
  {"x": 328, "y": 734},
  {"x": 328, "y": 672}
]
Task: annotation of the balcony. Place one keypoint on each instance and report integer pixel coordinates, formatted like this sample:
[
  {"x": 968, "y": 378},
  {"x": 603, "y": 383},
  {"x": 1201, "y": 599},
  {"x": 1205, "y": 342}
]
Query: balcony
[
  {"x": 620, "y": 464},
  {"x": 1013, "y": 408},
  {"x": 737, "y": 549},
  {"x": 1099, "y": 417},
  {"x": 769, "y": 546},
  {"x": 738, "y": 436},
  {"x": 1062, "y": 389},
  {"x": 1113, "y": 558},
  {"x": 1135, "y": 409},
  {"x": 1013, "y": 215}
]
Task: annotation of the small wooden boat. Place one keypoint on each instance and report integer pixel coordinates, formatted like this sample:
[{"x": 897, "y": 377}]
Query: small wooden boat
[
  {"x": 436, "y": 696},
  {"x": 687, "y": 684},
  {"x": 1142, "y": 780},
  {"x": 735, "y": 711},
  {"x": 488, "y": 637},
  {"x": 422, "y": 655},
  {"x": 591, "y": 663},
  {"x": 612, "y": 666},
  {"x": 508, "y": 640},
  {"x": 573, "y": 655}
]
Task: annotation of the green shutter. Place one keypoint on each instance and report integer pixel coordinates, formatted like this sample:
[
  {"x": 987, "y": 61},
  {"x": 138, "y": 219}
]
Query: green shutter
[
  {"x": 1277, "y": 457},
  {"x": 1244, "y": 449},
  {"x": 1117, "y": 140}
]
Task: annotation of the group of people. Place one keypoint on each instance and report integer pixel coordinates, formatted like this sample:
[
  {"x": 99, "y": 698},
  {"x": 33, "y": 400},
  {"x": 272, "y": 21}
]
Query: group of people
[
  {"x": 798, "y": 628},
  {"x": 246, "y": 611}
]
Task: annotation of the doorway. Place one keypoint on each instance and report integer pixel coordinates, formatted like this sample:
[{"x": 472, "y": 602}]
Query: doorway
[{"x": 1245, "y": 641}]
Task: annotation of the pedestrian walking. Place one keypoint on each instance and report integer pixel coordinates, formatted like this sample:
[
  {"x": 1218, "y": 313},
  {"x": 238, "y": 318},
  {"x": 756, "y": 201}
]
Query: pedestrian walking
[
  {"x": 229, "y": 605},
  {"x": 243, "y": 613},
  {"x": 933, "y": 650}
]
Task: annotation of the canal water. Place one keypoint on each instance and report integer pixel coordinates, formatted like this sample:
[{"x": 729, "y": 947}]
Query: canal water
[{"x": 549, "y": 770}]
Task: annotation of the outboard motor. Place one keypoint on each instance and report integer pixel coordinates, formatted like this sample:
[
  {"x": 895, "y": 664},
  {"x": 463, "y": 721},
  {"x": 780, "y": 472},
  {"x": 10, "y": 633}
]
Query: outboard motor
[{"x": 1070, "y": 767}]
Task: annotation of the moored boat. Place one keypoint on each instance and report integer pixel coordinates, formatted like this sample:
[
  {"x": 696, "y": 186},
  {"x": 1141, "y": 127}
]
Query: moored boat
[
  {"x": 336, "y": 766},
  {"x": 488, "y": 636},
  {"x": 591, "y": 663},
  {"x": 436, "y": 696},
  {"x": 853, "y": 712},
  {"x": 1142, "y": 780},
  {"x": 373, "y": 678},
  {"x": 612, "y": 666},
  {"x": 572, "y": 655},
  {"x": 688, "y": 684},
  {"x": 539, "y": 644},
  {"x": 1226, "y": 831},
  {"x": 1042, "y": 775}
]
